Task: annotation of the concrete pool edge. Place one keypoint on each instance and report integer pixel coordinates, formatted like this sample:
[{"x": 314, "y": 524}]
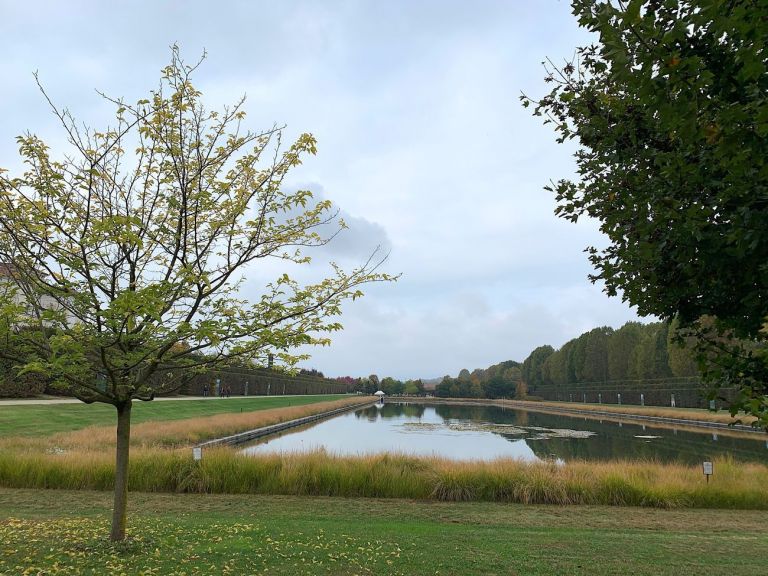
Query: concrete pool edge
[{"x": 248, "y": 435}]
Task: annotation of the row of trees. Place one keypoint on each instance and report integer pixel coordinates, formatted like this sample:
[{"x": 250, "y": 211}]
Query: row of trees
[
  {"x": 635, "y": 352},
  {"x": 501, "y": 380},
  {"x": 388, "y": 385}
]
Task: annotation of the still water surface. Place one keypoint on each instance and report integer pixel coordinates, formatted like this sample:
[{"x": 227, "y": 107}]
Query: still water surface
[{"x": 486, "y": 432}]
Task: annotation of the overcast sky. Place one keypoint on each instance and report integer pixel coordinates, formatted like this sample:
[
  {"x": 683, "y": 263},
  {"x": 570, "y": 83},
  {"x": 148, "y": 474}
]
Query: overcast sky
[{"x": 423, "y": 146}]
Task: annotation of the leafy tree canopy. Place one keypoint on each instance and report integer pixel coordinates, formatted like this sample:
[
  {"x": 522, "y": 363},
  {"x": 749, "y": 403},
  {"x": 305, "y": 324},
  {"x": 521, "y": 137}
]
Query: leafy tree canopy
[
  {"x": 127, "y": 253},
  {"x": 670, "y": 108}
]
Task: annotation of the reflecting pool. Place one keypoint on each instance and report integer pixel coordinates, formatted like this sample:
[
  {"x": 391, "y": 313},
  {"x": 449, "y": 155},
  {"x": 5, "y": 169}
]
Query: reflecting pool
[{"x": 484, "y": 432}]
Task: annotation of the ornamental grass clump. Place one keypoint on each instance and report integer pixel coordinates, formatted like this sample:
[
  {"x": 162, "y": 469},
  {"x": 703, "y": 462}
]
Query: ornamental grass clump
[{"x": 222, "y": 470}]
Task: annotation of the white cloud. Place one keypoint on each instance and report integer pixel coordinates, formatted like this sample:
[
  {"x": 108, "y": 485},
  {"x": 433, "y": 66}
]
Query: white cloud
[{"x": 423, "y": 145}]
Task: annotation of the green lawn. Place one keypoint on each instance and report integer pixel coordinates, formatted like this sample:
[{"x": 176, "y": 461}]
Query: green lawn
[
  {"x": 41, "y": 420},
  {"x": 64, "y": 533}
]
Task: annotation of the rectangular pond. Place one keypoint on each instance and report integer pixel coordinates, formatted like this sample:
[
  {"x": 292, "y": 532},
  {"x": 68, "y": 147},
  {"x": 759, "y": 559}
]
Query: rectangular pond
[{"x": 466, "y": 432}]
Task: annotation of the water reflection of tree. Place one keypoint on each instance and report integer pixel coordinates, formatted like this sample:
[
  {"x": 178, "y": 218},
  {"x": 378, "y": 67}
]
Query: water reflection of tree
[
  {"x": 614, "y": 442},
  {"x": 478, "y": 413},
  {"x": 611, "y": 441},
  {"x": 394, "y": 410},
  {"x": 412, "y": 410},
  {"x": 371, "y": 413},
  {"x": 398, "y": 410}
]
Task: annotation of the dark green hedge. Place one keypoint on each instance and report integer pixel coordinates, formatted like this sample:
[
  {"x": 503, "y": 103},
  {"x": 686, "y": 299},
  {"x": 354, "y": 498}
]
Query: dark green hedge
[{"x": 14, "y": 386}]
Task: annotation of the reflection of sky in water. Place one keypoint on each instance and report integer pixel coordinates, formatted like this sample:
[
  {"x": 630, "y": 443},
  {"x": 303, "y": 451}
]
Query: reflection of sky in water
[
  {"x": 485, "y": 432},
  {"x": 350, "y": 434}
]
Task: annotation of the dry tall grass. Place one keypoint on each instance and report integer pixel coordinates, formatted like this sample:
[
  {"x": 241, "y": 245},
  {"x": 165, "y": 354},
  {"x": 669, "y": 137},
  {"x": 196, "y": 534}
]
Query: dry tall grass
[
  {"x": 175, "y": 433},
  {"x": 736, "y": 486}
]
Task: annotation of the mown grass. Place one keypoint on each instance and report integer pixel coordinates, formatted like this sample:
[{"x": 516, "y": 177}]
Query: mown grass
[
  {"x": 223, "y": 471},
  {"x": 65, "y": 533},
  {"x": 42, "y": 420},
  {"x": 174, "y": 433},
  {"x": 168, "y": 435}
]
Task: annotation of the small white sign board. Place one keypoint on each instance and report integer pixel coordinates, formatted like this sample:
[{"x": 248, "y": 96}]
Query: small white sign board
[
  {"x": 707, "y": 468},
  {"x": 197, "y": 453}
]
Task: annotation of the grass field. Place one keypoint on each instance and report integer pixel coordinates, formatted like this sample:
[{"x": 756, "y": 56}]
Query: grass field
[
  {"x": 43, "y": 420},
  {"x": 161, "y": 461},
  {"x": 61, "y": 532},
  {"x": 245, "y": 529}
]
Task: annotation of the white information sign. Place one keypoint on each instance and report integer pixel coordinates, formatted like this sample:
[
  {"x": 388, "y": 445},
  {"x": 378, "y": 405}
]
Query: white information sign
[
  {"x": 708, "y": 468},
  {"x": 197, "y": 453}
]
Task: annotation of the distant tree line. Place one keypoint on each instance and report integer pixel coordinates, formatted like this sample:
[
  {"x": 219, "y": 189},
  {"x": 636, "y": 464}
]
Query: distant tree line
[
  {"x": 501, "y": 380},
  {"x": 633, "y": 353},
  {"x": 388, "y": 385}
]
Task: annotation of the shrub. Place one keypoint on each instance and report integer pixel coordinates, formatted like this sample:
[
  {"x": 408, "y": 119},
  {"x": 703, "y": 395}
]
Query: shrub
[{"x": 14, "y": 386}]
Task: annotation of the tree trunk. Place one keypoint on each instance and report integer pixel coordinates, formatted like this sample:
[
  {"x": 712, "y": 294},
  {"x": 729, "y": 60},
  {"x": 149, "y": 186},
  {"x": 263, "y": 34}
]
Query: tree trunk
[{"x": 121, "y": 471}]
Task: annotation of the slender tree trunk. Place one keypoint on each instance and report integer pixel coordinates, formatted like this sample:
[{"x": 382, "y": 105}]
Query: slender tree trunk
[{"x": 121, "y": 471}]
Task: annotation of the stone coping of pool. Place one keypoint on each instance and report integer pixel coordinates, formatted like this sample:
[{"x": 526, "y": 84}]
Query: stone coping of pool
[{"x": 248, "y": 435}]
